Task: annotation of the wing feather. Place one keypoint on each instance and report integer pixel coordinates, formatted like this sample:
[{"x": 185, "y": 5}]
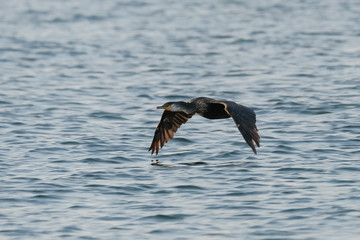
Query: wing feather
[
  {"x": 245, "y": 120},
  {"x": 169, "y": 123}
]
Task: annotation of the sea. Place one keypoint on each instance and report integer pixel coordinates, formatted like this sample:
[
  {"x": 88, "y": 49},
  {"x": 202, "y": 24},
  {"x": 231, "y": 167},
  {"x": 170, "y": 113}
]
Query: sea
[{"x": 79, "y": 85}]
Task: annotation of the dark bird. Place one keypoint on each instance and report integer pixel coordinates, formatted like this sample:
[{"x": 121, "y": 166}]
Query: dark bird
[{"x": 177, "y": 113}]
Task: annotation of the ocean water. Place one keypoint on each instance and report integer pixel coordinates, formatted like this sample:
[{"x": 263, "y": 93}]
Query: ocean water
[{"x": 79, "y": 83}]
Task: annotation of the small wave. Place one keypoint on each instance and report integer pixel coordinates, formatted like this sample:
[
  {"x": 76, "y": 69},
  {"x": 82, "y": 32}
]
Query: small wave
[
  {"x": 182, "y": 140},
  {"x": 299, "y": 169},
  {"x": 241, "y": 193},
  {"x": 311, "y": 33},
  {"x": 106, "y": 115},
  {"x": 166, "y": 217},
  {"x": 48, "y": 149},
  {"x": 238, "y": 75},
  {"x": 78, "y": 18},
  {"x": 70, "y": 143},
  {"x": 351, "y": 169},
  {"x": 5, "y": 102},
  {"x": 100, "y": 160},
  {"x": 296, "y": 210},
  {"x": 189, "y": 187},
  {"x": 303, "y": 75},
  {"x": 45, "y": 196},
  {"x": 242, "y": 41}
]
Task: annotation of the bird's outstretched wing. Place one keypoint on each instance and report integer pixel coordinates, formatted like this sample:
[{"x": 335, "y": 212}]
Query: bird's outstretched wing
[
  {"x": 245, "y": 120},
  {"x": 168, "y": 125}
]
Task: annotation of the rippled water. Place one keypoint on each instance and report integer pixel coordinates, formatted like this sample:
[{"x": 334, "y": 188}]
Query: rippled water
[{"x": 79, "y": 84}]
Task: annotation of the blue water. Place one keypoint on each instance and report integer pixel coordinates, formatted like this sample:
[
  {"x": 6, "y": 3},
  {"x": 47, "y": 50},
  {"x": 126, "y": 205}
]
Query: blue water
[{"x": 80, "y": 81}]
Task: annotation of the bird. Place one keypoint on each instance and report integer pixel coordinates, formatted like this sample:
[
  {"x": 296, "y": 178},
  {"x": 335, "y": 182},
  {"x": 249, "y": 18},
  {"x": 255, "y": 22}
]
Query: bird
[{"x": 177, "y": 113}]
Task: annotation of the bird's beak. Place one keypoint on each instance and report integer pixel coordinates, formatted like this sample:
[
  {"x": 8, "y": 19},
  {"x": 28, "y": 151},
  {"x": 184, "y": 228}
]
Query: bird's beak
[{"x": 163, "y": 107}]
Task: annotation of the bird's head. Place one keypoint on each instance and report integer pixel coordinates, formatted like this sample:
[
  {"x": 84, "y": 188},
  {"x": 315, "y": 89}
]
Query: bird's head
[{"x": 174, "y": 106}]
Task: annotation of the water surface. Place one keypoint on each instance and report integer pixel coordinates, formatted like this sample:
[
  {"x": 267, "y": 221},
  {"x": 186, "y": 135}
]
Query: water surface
[{"x": 80, "y": 81}]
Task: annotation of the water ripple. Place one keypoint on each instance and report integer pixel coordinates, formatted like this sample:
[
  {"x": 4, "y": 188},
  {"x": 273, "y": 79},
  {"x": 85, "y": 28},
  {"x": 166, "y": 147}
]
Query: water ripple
[{"x": 80, "y": 84}]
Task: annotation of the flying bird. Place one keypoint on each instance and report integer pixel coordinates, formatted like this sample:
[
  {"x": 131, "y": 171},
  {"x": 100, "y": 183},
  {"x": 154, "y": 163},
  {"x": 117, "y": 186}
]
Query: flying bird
[{"x": 177, "y": 113}]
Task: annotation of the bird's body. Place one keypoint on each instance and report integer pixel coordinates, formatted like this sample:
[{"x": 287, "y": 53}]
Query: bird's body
[{"x": 177, "y": 113}]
